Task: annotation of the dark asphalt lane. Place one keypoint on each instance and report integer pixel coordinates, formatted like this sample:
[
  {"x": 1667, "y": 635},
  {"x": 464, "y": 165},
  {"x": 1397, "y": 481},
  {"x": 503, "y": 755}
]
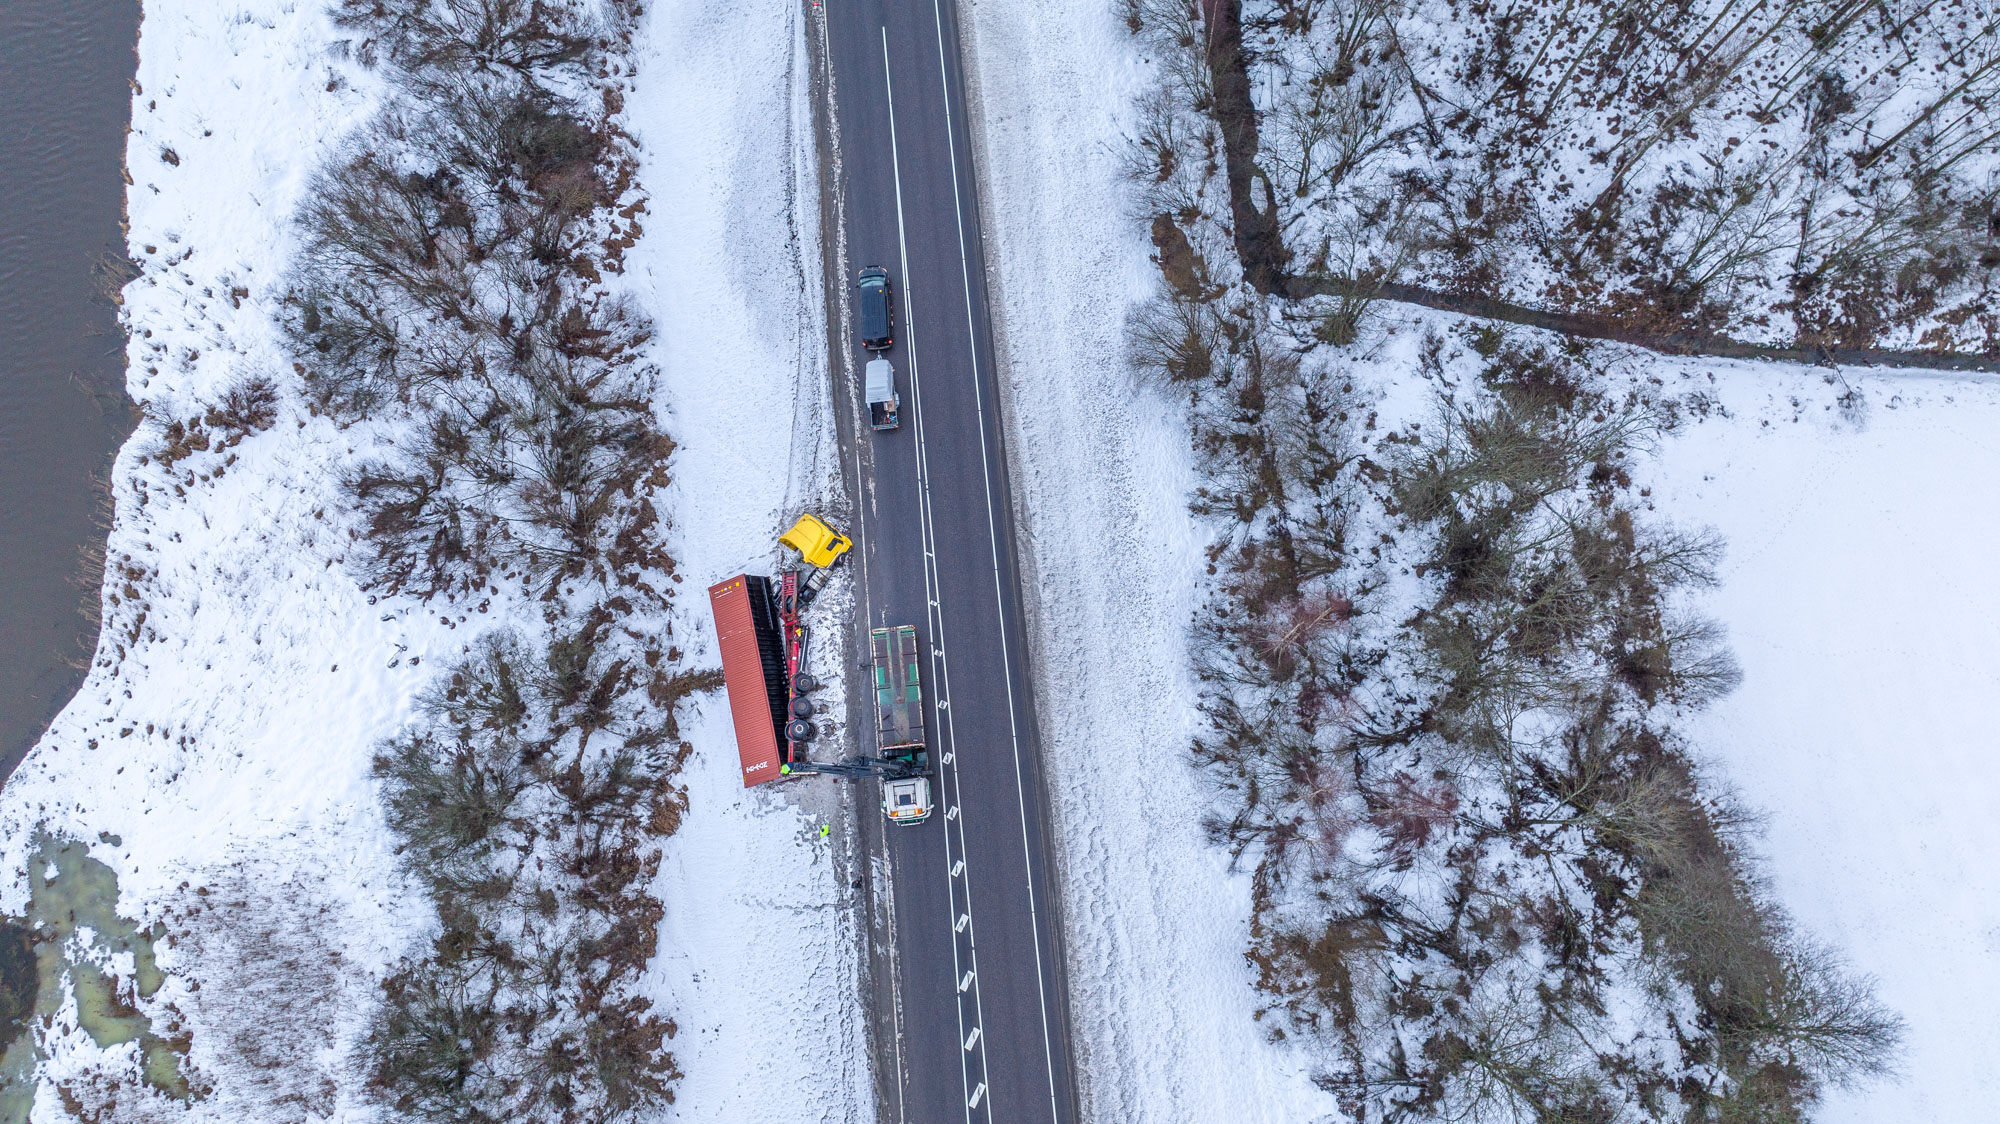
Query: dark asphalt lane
[{"x": 980, "y": 1026}]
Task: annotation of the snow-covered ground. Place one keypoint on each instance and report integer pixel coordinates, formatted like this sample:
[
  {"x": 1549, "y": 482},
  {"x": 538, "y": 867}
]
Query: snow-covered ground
[
  {"x": 224, "y": 736},
  {"x": 759, "y": 953},
  {"x": 1858, "y": 588},
  {"x": 242, "y": 676},
  {"x": 1155, "y": 922}
]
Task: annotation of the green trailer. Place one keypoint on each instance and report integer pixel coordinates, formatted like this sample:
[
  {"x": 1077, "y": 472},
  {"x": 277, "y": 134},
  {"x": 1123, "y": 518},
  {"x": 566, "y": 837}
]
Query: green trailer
[{"x": 899, "y": 693}]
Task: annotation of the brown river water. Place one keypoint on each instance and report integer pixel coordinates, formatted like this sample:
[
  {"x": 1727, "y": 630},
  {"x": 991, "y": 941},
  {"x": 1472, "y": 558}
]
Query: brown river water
[{"x": 65, "y": 99}]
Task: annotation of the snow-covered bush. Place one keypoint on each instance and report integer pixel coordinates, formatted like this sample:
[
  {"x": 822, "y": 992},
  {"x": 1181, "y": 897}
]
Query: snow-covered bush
[
  {"x": 1442, "y": 666},
  {"x": 452, "y": 291},
  {"x": 1813, "y": 173},
  {"x": 1445, "y": 655},
  {"x": 521, "y": 799}
]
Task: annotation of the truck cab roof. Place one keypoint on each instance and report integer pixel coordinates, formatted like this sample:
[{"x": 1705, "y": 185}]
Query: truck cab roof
[{"x": 907, "y": 801}]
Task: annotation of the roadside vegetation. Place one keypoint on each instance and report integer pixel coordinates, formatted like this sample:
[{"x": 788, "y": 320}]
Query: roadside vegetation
[
  {"x": 1807, "y": 173},
  {"x": 452, "y": 291},
  {"x": 1447, "y": 651}
]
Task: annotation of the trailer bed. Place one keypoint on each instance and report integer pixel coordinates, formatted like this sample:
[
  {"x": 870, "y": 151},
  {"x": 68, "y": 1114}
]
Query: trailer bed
[{"x": 899, "y": 694}]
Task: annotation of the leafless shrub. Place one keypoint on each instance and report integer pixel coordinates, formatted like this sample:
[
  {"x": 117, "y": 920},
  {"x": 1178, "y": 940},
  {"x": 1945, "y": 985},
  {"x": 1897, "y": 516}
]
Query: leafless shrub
[
  {"x": 1172, "y": 158},
  {"x": 1176, "y": 29},
  {"x": 1178, "y": 340},
  {"x": 1289, "y": 629},
  {"x": 1409, "y": 812},
  {"x": 246, "y": 407},
  {"x": 526, "y": 37}
]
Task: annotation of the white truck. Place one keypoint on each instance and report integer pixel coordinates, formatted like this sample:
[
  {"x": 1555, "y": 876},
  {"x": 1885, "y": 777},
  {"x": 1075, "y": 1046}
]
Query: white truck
[{"x": 883, "y": 406}]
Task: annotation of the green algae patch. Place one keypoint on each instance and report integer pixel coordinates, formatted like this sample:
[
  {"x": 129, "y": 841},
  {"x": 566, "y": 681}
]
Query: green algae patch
[{"x": 73, "y": 945}]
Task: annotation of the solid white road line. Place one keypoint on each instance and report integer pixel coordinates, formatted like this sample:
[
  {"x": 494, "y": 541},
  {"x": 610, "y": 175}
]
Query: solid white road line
[
  {"x": 941, "y": 694},
  {"x": 993, "y": 537}
]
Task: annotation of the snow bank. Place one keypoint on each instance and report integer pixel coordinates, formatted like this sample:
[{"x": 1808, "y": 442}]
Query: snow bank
[
  {"x": 1156, "y": 925},
  {"x": 1858, "y": 591}
]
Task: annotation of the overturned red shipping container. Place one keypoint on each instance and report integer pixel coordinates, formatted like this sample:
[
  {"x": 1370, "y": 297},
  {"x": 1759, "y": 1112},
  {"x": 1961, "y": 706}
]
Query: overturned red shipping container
[{"x": 747, "y": 629}]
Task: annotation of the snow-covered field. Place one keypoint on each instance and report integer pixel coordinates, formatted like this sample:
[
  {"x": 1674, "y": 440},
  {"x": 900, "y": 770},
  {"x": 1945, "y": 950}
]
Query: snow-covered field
[
  {"x": 1859, "y": 592},
  {"x": 224, "y": 736},
  {"x": 1856, "y": 590}
]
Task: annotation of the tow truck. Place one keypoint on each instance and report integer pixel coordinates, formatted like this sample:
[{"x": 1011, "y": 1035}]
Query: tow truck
[{"x": 764, "y": 642}]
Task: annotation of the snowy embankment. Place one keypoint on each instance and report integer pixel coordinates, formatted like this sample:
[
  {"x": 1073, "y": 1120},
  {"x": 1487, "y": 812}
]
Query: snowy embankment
[
  {"x": 218, "y": 756},
  {"x": 1858, "y": 591},
  {"x": 1852, "y": 589},
  {"x": 758, "y": 957},
  {"x": 1156, "y": 923}
]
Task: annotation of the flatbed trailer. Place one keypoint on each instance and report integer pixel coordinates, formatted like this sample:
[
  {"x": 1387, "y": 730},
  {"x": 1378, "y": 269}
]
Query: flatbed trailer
[{"x": 899, "y": 693}]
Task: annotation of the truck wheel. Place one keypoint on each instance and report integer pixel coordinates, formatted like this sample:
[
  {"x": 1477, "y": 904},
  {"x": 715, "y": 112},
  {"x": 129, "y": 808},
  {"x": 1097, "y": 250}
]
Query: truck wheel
[
  {"x": 802, "y": 708},
  {"x": 803, "y": 684},
  {"x": 800, "y": 730}
]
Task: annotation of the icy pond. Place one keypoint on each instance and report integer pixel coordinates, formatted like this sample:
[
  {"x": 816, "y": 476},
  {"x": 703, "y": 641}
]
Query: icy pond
[
  {"x": 65, "y": 98},
  {"x": 73, "y": 948}
]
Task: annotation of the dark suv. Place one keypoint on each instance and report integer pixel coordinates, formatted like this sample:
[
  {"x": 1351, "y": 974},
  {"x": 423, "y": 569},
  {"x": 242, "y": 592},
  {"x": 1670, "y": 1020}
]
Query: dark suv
[{"x": 878, "y": 309}]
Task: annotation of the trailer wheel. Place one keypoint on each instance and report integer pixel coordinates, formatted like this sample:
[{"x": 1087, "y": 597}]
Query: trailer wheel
[
  {"x": 800, "y": 730},
  {"x": 802, "y": 708},
  {"x": 803, "y": 684}
]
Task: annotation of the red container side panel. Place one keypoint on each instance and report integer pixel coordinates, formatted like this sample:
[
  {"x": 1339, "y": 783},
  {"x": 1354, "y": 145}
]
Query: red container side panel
[{"x": 740, "y": 604}]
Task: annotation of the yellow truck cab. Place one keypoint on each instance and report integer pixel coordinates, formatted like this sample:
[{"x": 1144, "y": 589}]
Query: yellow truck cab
[{"x": 817, "y": 543}]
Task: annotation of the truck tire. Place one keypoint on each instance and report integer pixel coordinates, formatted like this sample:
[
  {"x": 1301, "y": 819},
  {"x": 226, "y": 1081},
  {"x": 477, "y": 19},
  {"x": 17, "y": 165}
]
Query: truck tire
[
  {"x": 803, "y": 684},
  {"x": 800, "y": 730},
  {"x": 802, "y": 708}
]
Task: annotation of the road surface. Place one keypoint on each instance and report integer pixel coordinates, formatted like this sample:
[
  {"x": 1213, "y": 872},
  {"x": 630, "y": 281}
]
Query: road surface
[{"x": 976, "y": 1023}]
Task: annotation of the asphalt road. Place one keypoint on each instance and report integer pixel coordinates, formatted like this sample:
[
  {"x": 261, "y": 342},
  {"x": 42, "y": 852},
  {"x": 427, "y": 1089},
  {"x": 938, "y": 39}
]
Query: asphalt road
[{"x": 978, "y": 1027}]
